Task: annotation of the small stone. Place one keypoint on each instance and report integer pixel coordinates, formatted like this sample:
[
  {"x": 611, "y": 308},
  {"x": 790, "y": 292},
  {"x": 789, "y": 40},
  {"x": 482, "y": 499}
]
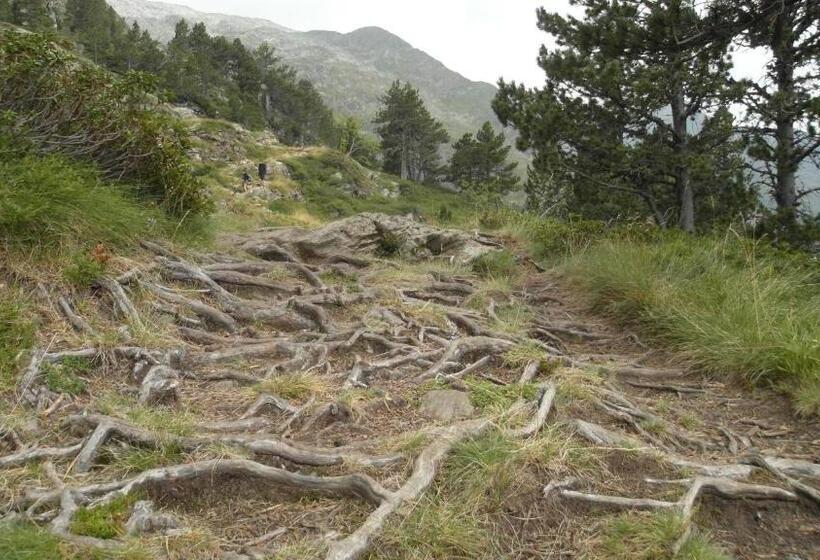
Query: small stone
[
  {"x": 31, "y": 429},
  {"x": 145, "y": 520},
  {"x": 226, "y": 385},
  {"x": 446, "y": 405},
  {"x": 140, "y": 370},
  {"x": 160, "y": 386}
]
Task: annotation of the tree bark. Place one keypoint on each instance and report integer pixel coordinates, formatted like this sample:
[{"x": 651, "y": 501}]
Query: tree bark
[
  {"x": 683, "y": 183},
  {"x": 782, "y": 48}
]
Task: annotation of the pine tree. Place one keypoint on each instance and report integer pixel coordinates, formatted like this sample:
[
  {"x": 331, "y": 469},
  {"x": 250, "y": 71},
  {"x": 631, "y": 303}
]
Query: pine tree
[
  {"x": 410, "y": 136},
  {"x": 480, "y": 160},
  {"x": 32, "y": 14},
  {"x": 619, "y": 112},
  {"x": 356, "y": 144},
  {"x": 5, "y": 10},
  {"x": 784, "y": 107}
]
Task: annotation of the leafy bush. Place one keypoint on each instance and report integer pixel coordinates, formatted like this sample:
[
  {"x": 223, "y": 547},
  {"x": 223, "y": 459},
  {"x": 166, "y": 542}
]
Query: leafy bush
[
  {"x": 495, "y": 264},
  {"x": 54, "y": 101}
]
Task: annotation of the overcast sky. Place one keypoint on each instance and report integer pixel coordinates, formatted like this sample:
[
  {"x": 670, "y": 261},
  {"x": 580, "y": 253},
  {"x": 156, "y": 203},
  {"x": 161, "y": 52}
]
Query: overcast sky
[{"x": 481, "y": 39}]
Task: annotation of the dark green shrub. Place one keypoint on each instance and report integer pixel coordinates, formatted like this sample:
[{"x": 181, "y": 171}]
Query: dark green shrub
[
  {"x": 83, "y": 270},
  {"x": 389, "y": 244},
  {"x": 66, "y": 105}
]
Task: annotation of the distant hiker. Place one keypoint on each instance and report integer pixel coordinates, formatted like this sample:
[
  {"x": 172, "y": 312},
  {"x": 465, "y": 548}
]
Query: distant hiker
[
  {"x": 263, "y": 171},
  {"x": 246, "y": 181}
]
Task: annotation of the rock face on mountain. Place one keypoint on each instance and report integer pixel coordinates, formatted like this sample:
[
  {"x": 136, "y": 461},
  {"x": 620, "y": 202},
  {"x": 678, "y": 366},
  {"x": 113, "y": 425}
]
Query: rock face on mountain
[{"x": 351, "y": 70}]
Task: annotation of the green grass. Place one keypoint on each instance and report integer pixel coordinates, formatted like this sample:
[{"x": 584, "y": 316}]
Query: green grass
[
  {"x": 457, "y": 517},
  {"x": 522, "y": 354},
  {"x": 51, "y": 205},
  {"x": 51, "y": 200},
  {"x": 139, "y": 459},
  {"x": 23, "y": 541},
  {"x": 157, "y": 419},
  {"x": 16, "y": 334},
  {"x": 20, "y": 541},
  {"x": 106, "y": 521},
  {"x": 728, "y": 306},
  {"x": 65, "y": 376},
  {"x": 651, "y": 536},
  {"x": 326, "y": 177},
  {"x": 489, "y": 397},
  {"x": 495, "y": 264},
  {"x": 293, "y": 385}
]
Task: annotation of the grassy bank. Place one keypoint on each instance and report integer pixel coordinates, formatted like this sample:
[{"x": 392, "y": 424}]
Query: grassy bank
[{"x": 729, "y": 305}]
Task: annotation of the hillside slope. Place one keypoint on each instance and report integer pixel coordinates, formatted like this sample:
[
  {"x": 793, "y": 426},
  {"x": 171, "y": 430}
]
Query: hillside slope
[{"x": 350, "y": 70}]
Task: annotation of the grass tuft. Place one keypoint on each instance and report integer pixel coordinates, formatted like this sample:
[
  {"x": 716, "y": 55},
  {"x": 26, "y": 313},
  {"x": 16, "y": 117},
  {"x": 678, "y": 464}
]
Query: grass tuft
[
  {"x": 495, "y": 264},
  {"x": 106, "y": 521},
  {"x": 294, "y": 385},
  {"x": 489, "y": 397},
  {"x": 727, "y": 305},
  {"x": 650, "y": 536},
  {"x": 16, "y": 335}
]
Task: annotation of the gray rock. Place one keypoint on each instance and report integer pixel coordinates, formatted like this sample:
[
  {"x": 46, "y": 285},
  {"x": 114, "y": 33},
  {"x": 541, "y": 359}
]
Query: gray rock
[
  {"x": 279, "y": 169},
  {"x": 364, "y": 233},
  {"x": 160, "y": 386},
  {"x": 226, "y": 385},
  {"x": 31, "y": 429},
  {"x": 145, "y": 520},
  {"x": 264, "y": 194},
  {"x": 446, "y": 405}
]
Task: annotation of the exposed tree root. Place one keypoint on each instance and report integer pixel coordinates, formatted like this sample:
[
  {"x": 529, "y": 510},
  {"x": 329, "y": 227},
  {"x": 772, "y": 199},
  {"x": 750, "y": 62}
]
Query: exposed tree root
[
  {"x": 77, "y": 323},
  {"x": 424, "y": 471},
  {"x": 465, "y": 346},
  {"x": 38, "y": 453},
  {"x": 121, "y": 301}
]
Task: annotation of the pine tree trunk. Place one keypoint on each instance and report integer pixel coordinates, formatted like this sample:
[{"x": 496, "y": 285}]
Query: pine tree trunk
[
  {"x": 785, "y": 191},
  {"x": 683, "y": 183}
]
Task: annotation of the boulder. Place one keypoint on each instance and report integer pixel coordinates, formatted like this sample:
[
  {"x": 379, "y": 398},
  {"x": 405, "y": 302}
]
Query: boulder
[{"x": 446, "y": 405}]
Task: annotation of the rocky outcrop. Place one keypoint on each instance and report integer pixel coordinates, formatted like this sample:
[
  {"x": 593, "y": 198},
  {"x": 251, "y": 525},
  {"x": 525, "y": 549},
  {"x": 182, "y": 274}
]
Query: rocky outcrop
[{"x": 366, "y": 233}]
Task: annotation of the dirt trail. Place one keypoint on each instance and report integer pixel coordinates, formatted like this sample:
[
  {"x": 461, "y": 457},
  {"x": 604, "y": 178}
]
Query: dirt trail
[{"x": 316, "y": 389}]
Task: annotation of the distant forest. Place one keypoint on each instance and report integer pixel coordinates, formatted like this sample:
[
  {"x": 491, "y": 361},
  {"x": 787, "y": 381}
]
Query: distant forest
[{"x": 220, "y": 76}]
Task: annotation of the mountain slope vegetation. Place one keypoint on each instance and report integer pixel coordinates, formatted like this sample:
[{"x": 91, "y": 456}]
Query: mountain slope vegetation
[{"x": 204, "y": 358}]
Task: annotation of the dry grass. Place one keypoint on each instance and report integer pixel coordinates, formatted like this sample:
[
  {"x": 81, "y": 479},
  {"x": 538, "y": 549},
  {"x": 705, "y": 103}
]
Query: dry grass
[{"x": 297, "y": 386}]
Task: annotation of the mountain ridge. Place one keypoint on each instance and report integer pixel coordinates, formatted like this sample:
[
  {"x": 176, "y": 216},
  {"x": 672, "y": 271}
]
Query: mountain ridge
[{"x": 351, "y": 70}]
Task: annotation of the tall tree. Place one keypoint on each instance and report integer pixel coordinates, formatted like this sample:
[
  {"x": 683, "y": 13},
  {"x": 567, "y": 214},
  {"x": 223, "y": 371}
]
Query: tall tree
[
  {"x": 410, "y": 136},
  {"x": 480, "y": 159},
  {"x": 36, "y": 15},
  {"x": 784, "y": 106},
  {"x": 622, "y": 102},
  {"x": 354, "y": 142}
]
